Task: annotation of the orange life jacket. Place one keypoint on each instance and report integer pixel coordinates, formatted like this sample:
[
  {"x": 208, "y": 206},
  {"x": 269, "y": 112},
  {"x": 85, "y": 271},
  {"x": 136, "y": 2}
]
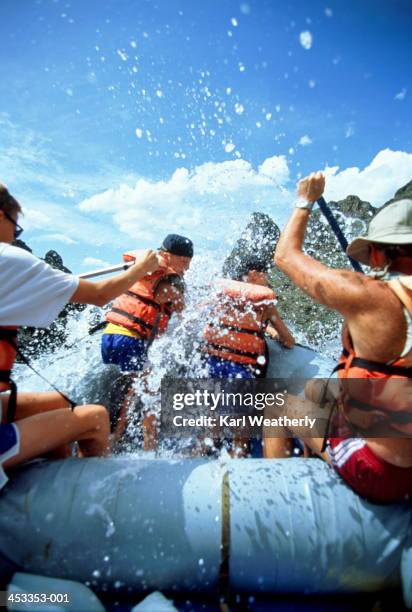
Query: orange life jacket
[
  {"x": 381, "y": 390},
  {"x": 138, "y": 308},
  {"x": 8, "y": 352},
  {"x": 238, "y": 333}
]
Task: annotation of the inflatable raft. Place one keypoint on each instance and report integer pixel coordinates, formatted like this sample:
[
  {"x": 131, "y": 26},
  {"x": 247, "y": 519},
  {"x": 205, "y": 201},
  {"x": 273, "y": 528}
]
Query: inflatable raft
[
  {"x": 240, "y": 527},
  {"x": 228, "y": 528},
  {"x": 298, "y": 363}
]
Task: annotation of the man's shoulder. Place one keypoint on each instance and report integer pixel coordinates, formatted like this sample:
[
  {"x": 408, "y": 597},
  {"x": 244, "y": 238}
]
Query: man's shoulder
[
  {"x": 356, "y": 283},
  {"x": 16, "y": 254},
  {"x": 19, "y": 261},
  {"x": 372, "y": 296}
]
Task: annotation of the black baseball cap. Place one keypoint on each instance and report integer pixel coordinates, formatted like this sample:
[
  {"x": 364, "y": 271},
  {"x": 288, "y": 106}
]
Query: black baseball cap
[{"x": 177, "y": 245}]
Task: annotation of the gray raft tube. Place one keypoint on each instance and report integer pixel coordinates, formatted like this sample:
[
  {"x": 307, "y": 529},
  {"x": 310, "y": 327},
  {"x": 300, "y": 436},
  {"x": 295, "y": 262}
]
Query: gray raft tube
[{"x": 202, "y": 526}]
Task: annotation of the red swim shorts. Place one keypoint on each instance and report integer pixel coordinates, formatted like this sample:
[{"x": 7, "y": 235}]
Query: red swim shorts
[{"x": 368, "y": 475}]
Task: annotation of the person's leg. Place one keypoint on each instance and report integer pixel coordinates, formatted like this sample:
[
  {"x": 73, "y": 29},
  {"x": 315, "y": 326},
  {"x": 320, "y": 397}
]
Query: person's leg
[
  {"x": 279, "y": 447},
  {"x": 44, "y": 432},
  {"x": 150, "y": 433},
  {"x": 232, "y": 371},
  {"x": 29, "y": 404},
  {"x": 94, "y": 441},
  {"x": 130, "y": 355},
  {"x": 320, "y": 390},
  {"x": 279, "y": 443},
  {"x": 150, "y": 424},
  {"x": 241, "y": 444},
  {"x": 321, "y": 393},
  {"x": 121, "y": 422}
]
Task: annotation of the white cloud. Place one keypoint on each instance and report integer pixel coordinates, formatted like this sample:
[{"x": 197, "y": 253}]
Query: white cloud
[
  {"x": 204, "y": 202},
  {"x": 376, "y": 183},
  {"x": 212, "y": 203},
  {"x": 63, "y": 238},
  {"x": 35, "y": 219},
  {"x": 95, "y": 261},
  {"x": 275, "y": 168},
  {"x": 305, "y": 141},
  {"x": 226, "y": 179},
  {"x": 47, "y": 218},
  {"x": 60, "y": 238}
]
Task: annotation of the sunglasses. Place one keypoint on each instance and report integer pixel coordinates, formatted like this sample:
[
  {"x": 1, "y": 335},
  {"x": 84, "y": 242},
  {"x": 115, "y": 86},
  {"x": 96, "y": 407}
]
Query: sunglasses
[{"x": 18, "y": 230}]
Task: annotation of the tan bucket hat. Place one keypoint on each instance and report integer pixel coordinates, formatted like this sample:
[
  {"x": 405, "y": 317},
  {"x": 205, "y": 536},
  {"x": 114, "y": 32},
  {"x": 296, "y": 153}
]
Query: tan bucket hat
[{"x": 392, "y": 225}]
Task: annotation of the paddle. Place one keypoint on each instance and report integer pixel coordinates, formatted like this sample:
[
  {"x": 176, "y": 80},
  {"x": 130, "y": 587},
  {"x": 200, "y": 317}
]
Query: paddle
[
  {"x": 328, "y": 214},
  {"x": 110, "y": 270}
]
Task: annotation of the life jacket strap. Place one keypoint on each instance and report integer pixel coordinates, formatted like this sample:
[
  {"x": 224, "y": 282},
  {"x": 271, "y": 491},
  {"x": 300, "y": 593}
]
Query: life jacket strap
[
  {"x": 11, "y": 407},
  {"x": 143, "y": 299},
  {"x": 11, "y": 338},
  {"x": 98, "y": 327},
  {"x": 132, "y": 318},
  {"x": 24, "y": 359},
  {"x": 162, "y": 308},
  {"x": 242, "y": 330},
  {"x": 375, "y": 366},
  {"x": 401, "y": 417},
  {"x": 8, "y": 334},
  {"x": 218, "y": 347},
  {"x": 5, "y": 376},
  {"x": 154, "y": 331}
]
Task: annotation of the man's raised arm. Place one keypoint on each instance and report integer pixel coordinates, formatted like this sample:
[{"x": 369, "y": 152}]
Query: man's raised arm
[{"x": 342, "y": 290}]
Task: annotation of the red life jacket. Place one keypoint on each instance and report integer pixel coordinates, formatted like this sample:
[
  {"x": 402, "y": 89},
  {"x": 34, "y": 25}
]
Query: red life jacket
[
  {"x": 8, "y": 352},
  {"x": 138, "y": 308},
  {"x": 381, "y": 390},
  {"x": 238, "y": 333}
]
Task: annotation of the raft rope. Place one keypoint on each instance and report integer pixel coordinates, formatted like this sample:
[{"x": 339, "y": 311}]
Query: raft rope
[
  {"x": 93, "y": 330},
  {"x": 13, "y": 395}
]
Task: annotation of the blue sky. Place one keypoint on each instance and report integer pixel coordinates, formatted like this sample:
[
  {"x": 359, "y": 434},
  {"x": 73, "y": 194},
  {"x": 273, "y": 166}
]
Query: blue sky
[{"x": 194, "y": 114}]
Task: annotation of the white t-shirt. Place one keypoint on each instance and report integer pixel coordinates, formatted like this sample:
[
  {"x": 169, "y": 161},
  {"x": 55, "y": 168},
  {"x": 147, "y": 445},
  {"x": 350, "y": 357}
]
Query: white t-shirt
[{"x": 31, "y": 292}]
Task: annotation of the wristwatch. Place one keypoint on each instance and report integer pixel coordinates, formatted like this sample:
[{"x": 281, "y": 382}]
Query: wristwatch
[{"x": 302, "y": 203}]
